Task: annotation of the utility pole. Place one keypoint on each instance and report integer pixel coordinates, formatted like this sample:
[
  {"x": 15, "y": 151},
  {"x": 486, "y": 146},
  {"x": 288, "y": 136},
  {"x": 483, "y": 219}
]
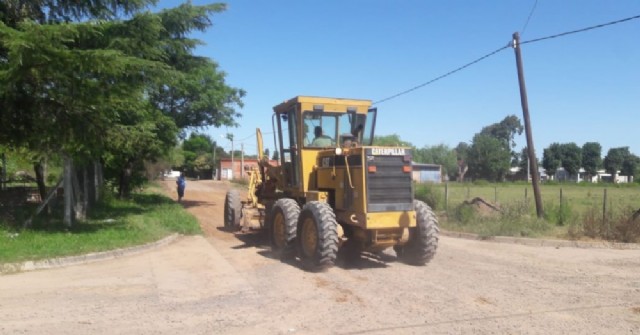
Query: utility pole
[
  {"x": 214, "y": 173},
  {"x": 241, "y": 160},
  {"x": 233, "y": 167},
  {"x": 4, "y": 171},
  {"x": 533, "y": 162}
]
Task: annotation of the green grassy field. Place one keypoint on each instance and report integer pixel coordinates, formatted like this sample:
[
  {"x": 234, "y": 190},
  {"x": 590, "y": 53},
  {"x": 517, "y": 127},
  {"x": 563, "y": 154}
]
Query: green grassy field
[
  {"x": 112, "y": 224},
  {"x": 580, "y": 214},
  {"x": 579, "y": 196}
]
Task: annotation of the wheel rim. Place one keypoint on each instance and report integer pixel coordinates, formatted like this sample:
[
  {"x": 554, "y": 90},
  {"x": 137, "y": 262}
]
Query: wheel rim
[
  {"x": 309, "y": 237},
  {"x": 279, "y": 231}
]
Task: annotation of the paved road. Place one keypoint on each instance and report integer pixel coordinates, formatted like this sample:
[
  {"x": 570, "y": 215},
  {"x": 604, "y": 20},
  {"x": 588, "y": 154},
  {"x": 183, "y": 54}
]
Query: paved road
[{"x": 229, "y": 284}]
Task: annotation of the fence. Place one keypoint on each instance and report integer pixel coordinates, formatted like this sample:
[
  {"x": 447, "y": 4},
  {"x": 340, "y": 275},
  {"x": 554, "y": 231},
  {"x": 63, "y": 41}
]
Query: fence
[{"x": 78, "y": 189}]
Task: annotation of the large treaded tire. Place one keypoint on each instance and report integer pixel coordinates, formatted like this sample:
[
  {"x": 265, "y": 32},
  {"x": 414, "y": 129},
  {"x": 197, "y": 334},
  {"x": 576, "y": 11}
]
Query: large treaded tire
[
  {"x": 423, "y": 239},
  {"x": 283, "y": 223},
  {"x": 232, "y": 210},
  {"x": 317, "y": 236}
]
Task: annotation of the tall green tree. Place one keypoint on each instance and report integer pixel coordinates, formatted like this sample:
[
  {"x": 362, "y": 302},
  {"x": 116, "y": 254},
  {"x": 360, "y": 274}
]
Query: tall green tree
[
  {"x": 631, "y": 166},
  {"x": 462, "y": 153},
  {"x": 614, "y": 160},
  {"x": 571, "y": 158},
  {"x": 488, "y": 158},
  {"x": 106, "y": 88},
  {"x": 591, "y": 158},
  {"x": 505, "y": 131},
  {"x": 197, "y": 150},
  {"x": 552, "y": 158}
]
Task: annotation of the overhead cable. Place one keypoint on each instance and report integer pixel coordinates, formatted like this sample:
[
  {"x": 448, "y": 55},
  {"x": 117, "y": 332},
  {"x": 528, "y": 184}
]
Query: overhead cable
[
  {"x": 581, "y": 30},
  {"x": 444, "y": 75},
  {"x": 526, "y": 23},
  {"x": 502, "y": 48}
]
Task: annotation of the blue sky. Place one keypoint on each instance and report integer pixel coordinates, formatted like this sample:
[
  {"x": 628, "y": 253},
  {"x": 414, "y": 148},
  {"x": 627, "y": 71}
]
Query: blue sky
[{"x": 582, "y": 87}]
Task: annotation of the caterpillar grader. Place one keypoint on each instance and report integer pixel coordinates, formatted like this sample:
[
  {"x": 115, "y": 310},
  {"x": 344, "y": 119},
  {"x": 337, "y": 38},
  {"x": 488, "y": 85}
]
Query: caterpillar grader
[{"x": 332, "y": 186}]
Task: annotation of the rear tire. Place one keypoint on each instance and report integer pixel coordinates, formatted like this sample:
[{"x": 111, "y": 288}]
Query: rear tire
[
  {"x": 283, "y": 223},
  {"x": 232, "y": 210},
  {"x": 423, "y": 239},
  {"x": 317, "y": 236}
]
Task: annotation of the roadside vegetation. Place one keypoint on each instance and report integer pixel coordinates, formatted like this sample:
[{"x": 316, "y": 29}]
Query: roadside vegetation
[
  {"x": 113, "y": 223},
  {"x": 572, "y": 211}
]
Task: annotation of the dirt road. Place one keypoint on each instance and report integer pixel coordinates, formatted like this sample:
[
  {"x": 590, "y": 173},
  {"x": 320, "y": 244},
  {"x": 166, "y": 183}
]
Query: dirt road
[{"x": 230, "y": 285}]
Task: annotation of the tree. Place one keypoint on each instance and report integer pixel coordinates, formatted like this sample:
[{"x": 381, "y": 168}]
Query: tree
[
  {"x": 198, "y": 153},
  {"x": 505, "y": 131},
  {"x": 614, "y": 161},
  {"x": 108, "y": 89},
  {"x": 591, "y": 158},
  {"x": 462, "y": 152},
  {"x": 488, "y": 158},
  {"x": 571, "y": 157},
  {"x": 552, "y": 158},
  {"x": 630, "y": 166}
]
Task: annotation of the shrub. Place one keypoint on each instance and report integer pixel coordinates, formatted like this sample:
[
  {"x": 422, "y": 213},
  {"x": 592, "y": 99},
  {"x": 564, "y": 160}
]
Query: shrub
[
  {"x": 464, "y": 214},
  {"x": 559, "y": 214},
  {"x": 625, "y": 228},
  {"x": 429, "y": 194}
]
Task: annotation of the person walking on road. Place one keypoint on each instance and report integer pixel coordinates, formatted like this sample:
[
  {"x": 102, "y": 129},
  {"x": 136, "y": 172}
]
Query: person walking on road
[{"x": 182, "y": 184}]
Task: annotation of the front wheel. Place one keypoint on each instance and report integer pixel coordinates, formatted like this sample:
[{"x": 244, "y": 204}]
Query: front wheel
[
  {"x": 283, "y": 221},
  {"x": 317, "y": 238},
  {"x": 423, "y": 239}
]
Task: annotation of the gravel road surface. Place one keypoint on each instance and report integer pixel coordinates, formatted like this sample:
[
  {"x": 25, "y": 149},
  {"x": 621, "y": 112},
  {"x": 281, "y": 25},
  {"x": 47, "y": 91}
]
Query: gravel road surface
[{"x": 222, "y": 283}]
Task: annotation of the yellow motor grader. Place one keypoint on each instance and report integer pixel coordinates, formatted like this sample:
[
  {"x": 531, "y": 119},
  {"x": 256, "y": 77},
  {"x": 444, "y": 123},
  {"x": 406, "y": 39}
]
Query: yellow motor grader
[{"x": 332, "y": 186}]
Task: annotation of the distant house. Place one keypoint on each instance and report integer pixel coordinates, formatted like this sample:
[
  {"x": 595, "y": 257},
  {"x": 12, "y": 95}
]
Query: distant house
[
  {"x": 516, "y": 174},
  {"x": 235, "y": 171},
  {"x": 601, "y": 176},
  {"x": 563, "y": 175},
  {"x": 427, "y": 173}
]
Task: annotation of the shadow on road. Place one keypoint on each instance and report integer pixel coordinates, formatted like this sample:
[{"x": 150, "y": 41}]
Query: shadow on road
[
  {"x": 196, "y": 203},
  {"x": 347, "y": 257}
]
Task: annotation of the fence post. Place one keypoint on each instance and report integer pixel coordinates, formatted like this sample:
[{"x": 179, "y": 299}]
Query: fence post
[
  {"x": 604, "y": 211},
  {"x": 68, "y": 192},
  {"x": 446, "y": 197},
  {"x": 561, "y": 214},
  {"x": 561, "y": 198},
  {"x": 495, "y": 195},
  {"x": 526, "y": 190}
]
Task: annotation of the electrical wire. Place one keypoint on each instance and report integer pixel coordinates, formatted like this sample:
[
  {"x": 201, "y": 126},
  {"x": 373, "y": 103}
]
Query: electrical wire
[
  {"x": 502, "y": 48},
  {"x": 526, "y": 23},
  {"x": 581, "y": 30},
  {"x": 444, "y": 75}
]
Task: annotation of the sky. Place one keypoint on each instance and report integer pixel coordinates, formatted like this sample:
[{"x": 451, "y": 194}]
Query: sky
[{"x": 583, "y": 87}]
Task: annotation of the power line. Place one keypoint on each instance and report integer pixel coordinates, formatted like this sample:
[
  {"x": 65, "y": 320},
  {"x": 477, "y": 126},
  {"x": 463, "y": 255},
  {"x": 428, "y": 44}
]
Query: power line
[
  {"x": 528, "y": 18},
  {"x": 505, "y": 47},
  {"x": 444, "y": 75},
  {"x": 581, "y": 30}
]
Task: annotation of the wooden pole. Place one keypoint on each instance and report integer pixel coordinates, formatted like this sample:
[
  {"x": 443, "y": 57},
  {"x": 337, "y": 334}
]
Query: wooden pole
[
  {"x": 446, "y": 196},
  {"x": 533, "y": 162},
  {"x": 68, "y": 192}
]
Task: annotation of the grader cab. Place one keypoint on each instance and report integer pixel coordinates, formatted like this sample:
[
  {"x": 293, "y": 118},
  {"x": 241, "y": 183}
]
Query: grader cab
[{"x": 333, "y": 186}]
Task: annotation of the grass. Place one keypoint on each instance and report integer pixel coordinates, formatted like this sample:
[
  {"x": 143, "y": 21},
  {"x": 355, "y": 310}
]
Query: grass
[
  {"x": 580, "y": 215},
  {"x": 112, "y": 224}
]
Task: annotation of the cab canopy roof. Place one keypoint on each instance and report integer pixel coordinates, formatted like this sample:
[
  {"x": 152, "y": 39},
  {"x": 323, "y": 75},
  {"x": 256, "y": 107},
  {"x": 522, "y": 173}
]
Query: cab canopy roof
[{"x": 307, "y": 103}]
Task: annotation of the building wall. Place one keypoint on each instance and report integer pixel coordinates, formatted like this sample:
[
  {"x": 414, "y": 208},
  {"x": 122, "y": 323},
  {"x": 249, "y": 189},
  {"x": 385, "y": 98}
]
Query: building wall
[
  {"x": 427, "y": 173},
  {"x": 227, "y": 171}
]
